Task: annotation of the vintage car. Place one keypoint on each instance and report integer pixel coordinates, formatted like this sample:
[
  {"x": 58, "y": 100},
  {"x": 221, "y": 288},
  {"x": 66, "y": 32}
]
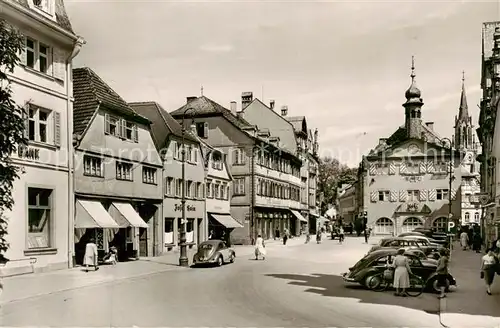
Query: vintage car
[
  {"x": 213, "y": 252},
  {"x": 440, "y": 241},
  {"x": 409, "y": 242},
  {"x": 376, "y": 262}
]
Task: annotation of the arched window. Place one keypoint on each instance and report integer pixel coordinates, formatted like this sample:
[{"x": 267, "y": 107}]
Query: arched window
[
  {"x": 476, "y": 217},
  {"x": 411, "y": 224},
  {"x": 384, "y": 226},
  {"x": 439, "y": 224},
  {"x": 467, "y": 217}
]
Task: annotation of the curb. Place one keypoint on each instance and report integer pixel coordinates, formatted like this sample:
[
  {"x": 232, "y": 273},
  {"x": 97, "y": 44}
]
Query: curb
[{"x": 103, "y": 282}]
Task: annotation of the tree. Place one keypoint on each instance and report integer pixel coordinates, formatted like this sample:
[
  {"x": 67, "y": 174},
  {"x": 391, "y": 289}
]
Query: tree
[
  {"x": 332, "y": 174},
  {"x": 12, "y": 130}
]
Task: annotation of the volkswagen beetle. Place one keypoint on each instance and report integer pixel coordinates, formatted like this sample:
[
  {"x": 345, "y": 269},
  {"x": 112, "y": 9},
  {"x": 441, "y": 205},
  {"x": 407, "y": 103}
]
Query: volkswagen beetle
[{"x": 213, "y": 252}]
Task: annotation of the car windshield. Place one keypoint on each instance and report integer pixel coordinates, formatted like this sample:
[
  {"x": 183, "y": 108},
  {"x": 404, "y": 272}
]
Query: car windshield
[{"x": 206, "y": 246}]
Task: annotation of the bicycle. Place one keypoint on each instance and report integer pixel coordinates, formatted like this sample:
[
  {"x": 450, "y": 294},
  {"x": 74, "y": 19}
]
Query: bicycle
[{"x": 380, "y": 282}]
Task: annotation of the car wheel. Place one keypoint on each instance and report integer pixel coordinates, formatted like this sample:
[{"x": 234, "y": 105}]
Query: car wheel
[
  {"x": 436, "y": 289},
  {"x": 231, "y": 258},
  {"x": 220, "y": 261}
]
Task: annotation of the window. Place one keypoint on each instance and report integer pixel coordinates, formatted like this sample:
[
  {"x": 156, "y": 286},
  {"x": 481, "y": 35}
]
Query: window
[
  {"x": 382, "y": 168},
  {"x": 194, "y": 154},
  {"x": 177, "y": 150},
  {"x": 383, "y": 195},
  {"x": 38, "y": 56},
  {"x": 92, "y": 166},
  {"x": 476, "y": 217},
  {"x": 190, "y": 225},
  {"x": 441, "y": 167},
  {"x": 39, "y": 125},
  {"x": 111, "y": 125},
  {"x": 149, "y": 175},
  {"x": 129, "y": 130},
  {"x": 202, "y": 129},
  {"x": 195, "y": 190},
  {"x": 413, "y": 195},
  {"x": 411, "y": 224},
  {"x": 217, "y": 190},
  {"x": 239, "y": 157},
  {"x": 200, "y": 190},
  {"x": 441, "y": 194},
  {"x": 39, "y": 218},
  {"x": 439, "y": 224},
  {"x": 239, "y": 186},
  {"x": 188, "y": 188},
  {"x": 42, "y": 5},
  {"x": 217, "y": 161},
  {"x": 124, "y": 171},
  {"x": 178, "y": 187},
  {"x": 209, "y": 189},
  {"x": 169, "y": 186},
  {"x": 412, "y": 168}
]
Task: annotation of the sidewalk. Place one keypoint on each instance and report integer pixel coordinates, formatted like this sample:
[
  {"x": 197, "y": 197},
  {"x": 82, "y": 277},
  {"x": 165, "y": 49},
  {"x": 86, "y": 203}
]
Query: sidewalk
[{"x": 469, "y": 305}]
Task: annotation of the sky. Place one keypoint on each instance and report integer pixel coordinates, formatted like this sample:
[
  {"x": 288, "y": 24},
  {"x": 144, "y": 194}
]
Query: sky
[{"x": 345, "y": 65}]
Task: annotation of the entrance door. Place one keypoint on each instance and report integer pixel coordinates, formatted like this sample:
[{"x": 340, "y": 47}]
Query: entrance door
[
  {"x": 200, "y": 231},
  {"x": 143, "y": 242}
]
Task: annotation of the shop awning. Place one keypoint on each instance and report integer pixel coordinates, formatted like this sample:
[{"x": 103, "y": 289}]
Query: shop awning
[
  {"x": 298, "y": 216},
  {"x": 91, "y": 214},
  {"x": 126, "y": 216},
  {"x": 314, "y": 214},
  {"x": 226, "y": 220}
]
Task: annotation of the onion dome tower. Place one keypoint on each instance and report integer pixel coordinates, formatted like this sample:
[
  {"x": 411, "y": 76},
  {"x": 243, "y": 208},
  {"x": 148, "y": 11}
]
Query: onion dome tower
[{"x": 413, "y": 107}]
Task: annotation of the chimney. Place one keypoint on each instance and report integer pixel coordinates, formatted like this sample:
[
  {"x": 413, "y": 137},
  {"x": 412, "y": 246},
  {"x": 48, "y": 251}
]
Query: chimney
[
  {"x": 271, "y": 104},
  {"x": 382, "y": 141},
  {"x": 246, "y": 99},
  {"x": 193, "y": 129},
  {"x": 233, "y": 107},
  {"x": 189, "y": 99},
  {"x": 430, "y": 125},
  {"x": 284, "y": 110}
]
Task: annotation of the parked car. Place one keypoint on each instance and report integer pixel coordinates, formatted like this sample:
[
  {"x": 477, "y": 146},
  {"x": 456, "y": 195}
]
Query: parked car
[
  {"x": 441, "y": 237},
  {"x": 214, "y": 252},
  {"x": 409, "y": 242},
  {"x": 419, "y": 234},
  {"x": 376, "y": 262}
]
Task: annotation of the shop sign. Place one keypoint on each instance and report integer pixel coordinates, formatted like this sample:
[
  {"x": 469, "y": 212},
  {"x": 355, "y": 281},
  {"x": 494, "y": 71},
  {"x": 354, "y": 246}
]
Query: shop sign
[
  {"x": 189, "y": 208},
  {"x": 28, "y": 153}
]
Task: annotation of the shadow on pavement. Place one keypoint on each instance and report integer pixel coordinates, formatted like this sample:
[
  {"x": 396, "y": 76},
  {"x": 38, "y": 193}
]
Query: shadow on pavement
[{"x": 334, "y": 286}]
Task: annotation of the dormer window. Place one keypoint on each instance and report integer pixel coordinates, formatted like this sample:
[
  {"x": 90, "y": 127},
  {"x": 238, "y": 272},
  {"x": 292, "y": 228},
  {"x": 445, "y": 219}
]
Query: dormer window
[{"x": 46, "y": 6}]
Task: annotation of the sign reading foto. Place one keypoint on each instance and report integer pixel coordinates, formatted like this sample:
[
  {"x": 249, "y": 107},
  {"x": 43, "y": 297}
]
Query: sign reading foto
[{"x": 189, "y": 208}]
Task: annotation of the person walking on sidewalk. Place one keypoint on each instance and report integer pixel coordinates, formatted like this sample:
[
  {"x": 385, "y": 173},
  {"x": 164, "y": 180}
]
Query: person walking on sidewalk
[
  {"x": 442, "y": 272},
  {"x": 260, "y": 248},
  {"x": 401, "y": 273},
  {"x": 285, "y": 236},
  {"x": 477, "y": 241},
  {"x": 90, "y": 258},
  {"x": 464, "y": 240},
  {"x": 489, "y": 264}
]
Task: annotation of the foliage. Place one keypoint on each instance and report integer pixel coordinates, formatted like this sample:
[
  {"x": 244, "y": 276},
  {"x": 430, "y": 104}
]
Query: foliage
[
  {"x": 332, "y": 174},
  {"x": 11, "y": 125}
]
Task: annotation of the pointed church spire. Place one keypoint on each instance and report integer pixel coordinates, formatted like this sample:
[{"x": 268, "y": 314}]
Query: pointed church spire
[{"x": 463, "y": 113}]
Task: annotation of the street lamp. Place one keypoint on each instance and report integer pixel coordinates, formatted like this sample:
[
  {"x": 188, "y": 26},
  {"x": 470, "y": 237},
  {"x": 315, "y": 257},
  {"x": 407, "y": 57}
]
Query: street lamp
[
  {"x": 450, "y": 215},
  {"x": 183, "y": 259}
]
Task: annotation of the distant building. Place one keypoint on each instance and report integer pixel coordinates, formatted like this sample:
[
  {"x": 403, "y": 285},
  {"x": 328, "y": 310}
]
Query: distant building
[
  {"x": 348, "y": 209},
  {"x": 405, "y": 179}
]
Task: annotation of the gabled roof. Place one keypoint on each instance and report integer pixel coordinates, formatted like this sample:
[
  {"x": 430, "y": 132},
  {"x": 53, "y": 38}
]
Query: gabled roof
[
  {"x": 379, "y": 151},
  {"x": 91, "y": 92},
  {"x": 203, "y": 106},
  {"x": 298, "y": 122},
  {"x": 62, "y": 18},
  {"x": 163, "y": 125}
]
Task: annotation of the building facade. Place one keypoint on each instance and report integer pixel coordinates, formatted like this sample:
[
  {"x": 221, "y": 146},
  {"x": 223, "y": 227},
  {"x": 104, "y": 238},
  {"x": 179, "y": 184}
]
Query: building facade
[
  {"x": 348, "y": 207},
  {"x": 405, "y": 180},
  {"x": 40, "y": 234},
  {"x": 488, "y": 131},
  {"x": 117, "y": 173},
  {"x": 464, "y": 140},
  {"x": 167, "y": 134},
  {"x": 266, "y": 178}
]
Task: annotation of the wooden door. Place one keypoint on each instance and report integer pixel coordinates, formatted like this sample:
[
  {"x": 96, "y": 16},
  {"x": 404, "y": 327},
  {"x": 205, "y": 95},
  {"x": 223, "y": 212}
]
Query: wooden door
[{"x": 143, "y": 242}]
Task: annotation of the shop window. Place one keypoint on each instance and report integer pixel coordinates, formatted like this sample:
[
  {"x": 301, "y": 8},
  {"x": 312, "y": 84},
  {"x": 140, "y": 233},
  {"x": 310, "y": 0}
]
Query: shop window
[
  {"x": 39, "y": 218},
  {"x": 169, "y": 231}
]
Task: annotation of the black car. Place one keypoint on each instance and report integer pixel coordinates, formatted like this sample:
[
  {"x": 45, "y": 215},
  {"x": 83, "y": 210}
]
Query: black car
[
  {"x": 376, "y": 262},
  {"x": 440, "y": 237},
  {"x": 407, "y": 243}
]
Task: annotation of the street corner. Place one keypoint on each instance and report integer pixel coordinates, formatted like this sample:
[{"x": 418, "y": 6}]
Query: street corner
[{"x": 459, "y": 320}]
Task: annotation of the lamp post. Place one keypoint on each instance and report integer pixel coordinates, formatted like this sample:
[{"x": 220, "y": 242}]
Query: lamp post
[
  {"x": 183, "y": 259},
  {"x": 450, "y": 180}
]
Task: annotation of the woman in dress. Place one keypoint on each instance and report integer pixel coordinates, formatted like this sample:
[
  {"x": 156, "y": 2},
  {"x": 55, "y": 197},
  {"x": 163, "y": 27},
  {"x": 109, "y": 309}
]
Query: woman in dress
[
  {"x": 401, "y": 273},
  {"x": 260, "y": 248},
  {"x": 488, "y": 269},
  {"x": 90, "y": 258}
]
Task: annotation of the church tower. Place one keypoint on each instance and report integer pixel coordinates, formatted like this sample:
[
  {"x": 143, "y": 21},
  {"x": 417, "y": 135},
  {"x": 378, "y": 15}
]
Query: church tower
[
  {"x": 464, "y": 138},
  {"x": 413, "y": 107}
]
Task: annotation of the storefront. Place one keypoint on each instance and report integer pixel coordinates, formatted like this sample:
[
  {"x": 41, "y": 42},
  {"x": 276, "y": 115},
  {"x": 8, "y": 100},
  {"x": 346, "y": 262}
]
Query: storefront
[
  {"x": 270, "y": 220},
  {"x": 220, "y": 226},
  {"x": 298, "y": 221},
  {"x": 113, "y": 223},
  {"x": 196, "y": 225}
]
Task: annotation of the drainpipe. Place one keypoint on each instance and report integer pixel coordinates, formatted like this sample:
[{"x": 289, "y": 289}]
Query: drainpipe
[{"x": 69, "y": 140}]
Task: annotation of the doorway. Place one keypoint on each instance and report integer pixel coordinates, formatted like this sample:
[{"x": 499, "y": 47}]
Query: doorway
[
  {"x": 143, "y": 242},
  {"x": 201, "y": 232}
]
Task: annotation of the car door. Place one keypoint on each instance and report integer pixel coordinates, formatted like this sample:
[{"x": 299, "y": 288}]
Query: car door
[{"x": 224, "y": 251}]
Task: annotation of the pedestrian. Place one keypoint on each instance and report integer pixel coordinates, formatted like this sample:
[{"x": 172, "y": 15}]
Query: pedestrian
[
  {"x": 341, "y": 234},
  {"x": 285, "y": 236},
  {"x": 276, "y": 233},
  {"x": 401, "y": 273},
  {"x": 90, "y": 258},
  {"x": 260, "y": 248},
  {"x": 308, "y": 238},
  {"x": 367, "y": 235},
  {"x": 211, "y": 235},
  {"x": 442, "y": 273},
  {"x": 318, "y": 237},
  {"x": 470, "y": 234},
  {"x": 464, "y": 240},
  {"x": 489, "y": 264},
  {"x": 477, "y": 241}
]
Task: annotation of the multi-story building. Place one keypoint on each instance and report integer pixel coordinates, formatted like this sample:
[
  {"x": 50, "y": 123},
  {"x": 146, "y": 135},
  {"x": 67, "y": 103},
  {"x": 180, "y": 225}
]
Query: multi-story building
[
  {"x": 347, "y": 204},
  {"x": 118, "y": 186},
  {"x": 307, "y": 149},
  {"x": 488, "y": 131},
  {"x": 218, "y": 182},
  {"x": 167, "y": 135},
  {"x": 40, "y": 233},
  {"x": 405, "y": 179},
  {"x": 266, "y": 176},
  {"x": 465, "y": 141}
]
